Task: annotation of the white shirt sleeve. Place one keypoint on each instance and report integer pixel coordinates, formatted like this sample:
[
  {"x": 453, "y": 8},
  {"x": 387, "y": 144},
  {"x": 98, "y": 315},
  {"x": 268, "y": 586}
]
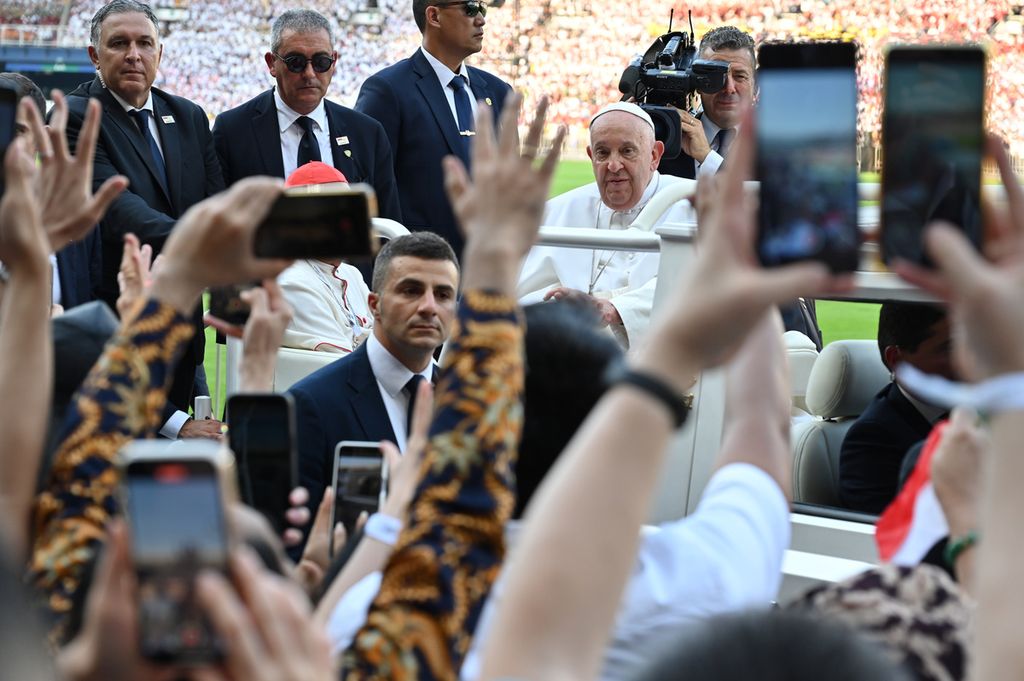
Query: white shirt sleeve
[
  {"x": 712, "y": 162},
  {"x": 350, "y": 613},
  {"x": 172, "y": 428},
  {"x": 726, "y": 556}
]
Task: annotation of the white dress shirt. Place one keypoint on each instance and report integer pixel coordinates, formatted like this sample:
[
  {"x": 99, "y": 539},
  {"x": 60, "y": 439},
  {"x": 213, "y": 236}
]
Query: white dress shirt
[
  {"x": 292, "y": 132},
  {"x": 148, "y": 106},
  {"x": 725, "y": 557},
  {"x": 713, "y": 161},
  {"x": 391, "y": 377},
  {"x": 444, "y": 77}
]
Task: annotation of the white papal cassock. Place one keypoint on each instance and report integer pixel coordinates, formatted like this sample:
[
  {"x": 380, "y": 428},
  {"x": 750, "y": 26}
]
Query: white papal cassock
[{"x": 625, "y": 278}]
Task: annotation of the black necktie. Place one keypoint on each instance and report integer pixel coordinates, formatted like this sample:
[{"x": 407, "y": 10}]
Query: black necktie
[
  {"x": 141, "y": 117},
  {"x": 464, "y": 111},
  {"x": 309, "y": 148},
  {"x": 411, "y": 388}
]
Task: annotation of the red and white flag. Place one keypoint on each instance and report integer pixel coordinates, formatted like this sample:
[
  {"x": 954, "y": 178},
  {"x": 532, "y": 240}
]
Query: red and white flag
[{"x": 912, "y": 524}]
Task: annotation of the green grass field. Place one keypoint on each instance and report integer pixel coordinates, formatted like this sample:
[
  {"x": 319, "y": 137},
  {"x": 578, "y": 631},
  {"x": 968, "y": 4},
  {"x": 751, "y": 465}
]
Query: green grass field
[{"x": 838, "y": 320}]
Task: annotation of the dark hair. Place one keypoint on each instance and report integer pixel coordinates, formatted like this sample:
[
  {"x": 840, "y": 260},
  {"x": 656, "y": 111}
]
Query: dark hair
[
  {"x": 300, "y": 21},
  {"x": 25, "y": 87},
  {"x": 727, "y": 38},
  {"x": 906, "y": 325},
  {"x": 425, "y": 245},
  {"x": 566, "y": 357},
  {"x": 119, "y": 7},
  {"x": 419, "y": 13},
  {"x": 770, "y": 646}
]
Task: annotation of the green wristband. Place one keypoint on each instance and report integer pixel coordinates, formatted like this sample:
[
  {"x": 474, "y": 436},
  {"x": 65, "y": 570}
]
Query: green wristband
[{"x": 958, "y": 545}]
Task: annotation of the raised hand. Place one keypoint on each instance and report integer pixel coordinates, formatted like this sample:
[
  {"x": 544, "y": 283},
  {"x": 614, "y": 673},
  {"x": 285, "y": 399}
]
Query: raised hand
[
  {"x": 23, "y": 243},
  {"x": 501, "y": 207},
  {"x": 70, "y": 207}
]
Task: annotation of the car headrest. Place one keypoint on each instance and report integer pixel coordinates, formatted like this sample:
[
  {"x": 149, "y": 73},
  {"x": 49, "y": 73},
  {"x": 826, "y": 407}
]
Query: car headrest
[{"x": 846, "y": 376}]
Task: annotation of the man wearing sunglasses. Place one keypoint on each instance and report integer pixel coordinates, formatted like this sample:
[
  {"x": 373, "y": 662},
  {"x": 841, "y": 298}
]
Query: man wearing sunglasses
[
  {"x": 427, "y": 104},
  {"x": 293, "y": 123}
]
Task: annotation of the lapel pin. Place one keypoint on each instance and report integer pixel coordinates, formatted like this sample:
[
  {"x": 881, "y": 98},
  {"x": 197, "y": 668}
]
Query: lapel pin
[
  {"x": 167, "y": 119},
  {"x": 487, "y": 100},
  {"x": 341, "y": 140},
  {"x": 348, "y": 153}
]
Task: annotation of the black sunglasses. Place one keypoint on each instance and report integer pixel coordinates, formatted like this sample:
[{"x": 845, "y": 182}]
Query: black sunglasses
[
  {"x": 471, "y": 7},
  {"x": 296, "y": 63}
]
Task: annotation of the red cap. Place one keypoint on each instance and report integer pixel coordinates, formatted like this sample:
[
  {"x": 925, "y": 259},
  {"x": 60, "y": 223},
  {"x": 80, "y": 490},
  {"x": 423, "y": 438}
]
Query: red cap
[{"x": 314, "y": 172}]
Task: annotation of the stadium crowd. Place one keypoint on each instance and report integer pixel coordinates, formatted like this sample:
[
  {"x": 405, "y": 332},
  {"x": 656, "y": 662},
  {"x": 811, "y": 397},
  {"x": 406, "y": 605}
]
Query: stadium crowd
[{"x": 575, "y": 50}]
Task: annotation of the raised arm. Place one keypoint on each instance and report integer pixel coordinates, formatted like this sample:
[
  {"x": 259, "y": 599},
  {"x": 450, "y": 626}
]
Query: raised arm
[
  {"x": 577, "y": 548},
  {"x": 448, "y": 555},
  {"x": 124, "y": 394}
]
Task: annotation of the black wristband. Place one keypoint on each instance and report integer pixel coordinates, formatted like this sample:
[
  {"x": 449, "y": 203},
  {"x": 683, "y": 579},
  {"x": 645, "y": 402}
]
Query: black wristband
[{"x": 619, "y": 372}]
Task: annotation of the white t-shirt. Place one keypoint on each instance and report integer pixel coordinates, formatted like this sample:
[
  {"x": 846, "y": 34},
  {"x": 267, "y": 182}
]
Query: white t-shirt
[{"x": 726, "y": 556}]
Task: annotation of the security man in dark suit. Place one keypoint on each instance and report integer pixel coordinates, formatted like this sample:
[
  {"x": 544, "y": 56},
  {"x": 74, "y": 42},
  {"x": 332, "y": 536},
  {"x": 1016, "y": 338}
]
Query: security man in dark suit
[
  {"x": 427, "y": 105},
  {"x": 367, "y": 395},
  {"x": 874, "y": 448},
  {"x": 707, "y": 136},
  {"x": 286, "y": 127},
  {"x": 160, "y": 142}
]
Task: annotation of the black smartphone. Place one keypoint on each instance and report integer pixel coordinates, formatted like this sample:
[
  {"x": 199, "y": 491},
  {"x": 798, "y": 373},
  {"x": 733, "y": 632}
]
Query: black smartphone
[
  {"x": 8, "y": 115},
  {"x": 226, "y": 303},
  {"x": 261, "y": 433},
  {"x": 360, "y": 483},
  {"x": 807, "y": 154},
  {"x": 933, "y": 136},
  {"x": 175, "y": 511},
  {"x": 335, "y": 224}
]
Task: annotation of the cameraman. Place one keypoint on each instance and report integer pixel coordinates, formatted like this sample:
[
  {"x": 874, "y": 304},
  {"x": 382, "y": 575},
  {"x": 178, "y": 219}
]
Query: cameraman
[{"x": 706, "y": 136}]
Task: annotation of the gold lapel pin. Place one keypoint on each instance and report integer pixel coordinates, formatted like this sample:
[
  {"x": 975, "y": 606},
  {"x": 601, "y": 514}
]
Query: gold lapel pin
[{"x": 487, "y": 100}]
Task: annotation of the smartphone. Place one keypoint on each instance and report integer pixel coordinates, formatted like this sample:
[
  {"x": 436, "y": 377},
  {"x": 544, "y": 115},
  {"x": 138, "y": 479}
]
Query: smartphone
[
  {"x": 226, "y": 303},
  {"x": 335, "y": 224},
  {"x": 360, "y": 483},
  {"x": 8, "y": 114},
  {"x": 932, "y": 140},
  {"x": 807, "y": 154},
  {"x": 175, "y": 509},
  {"x": 261, "y": 433}
]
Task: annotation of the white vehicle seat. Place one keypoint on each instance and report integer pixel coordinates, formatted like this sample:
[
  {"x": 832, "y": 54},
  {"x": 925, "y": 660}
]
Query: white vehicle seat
[
  {"x": 845, "y": 377},
  {"x": 802, "y": 354}
]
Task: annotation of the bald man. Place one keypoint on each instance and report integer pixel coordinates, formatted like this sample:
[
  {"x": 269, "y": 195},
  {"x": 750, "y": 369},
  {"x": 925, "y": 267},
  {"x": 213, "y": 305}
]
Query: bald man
[{"x": 620, "y": 284}]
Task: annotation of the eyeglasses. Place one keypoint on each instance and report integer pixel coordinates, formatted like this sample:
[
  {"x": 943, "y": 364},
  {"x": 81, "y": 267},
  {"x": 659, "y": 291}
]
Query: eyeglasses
[
  {"x": 296, "y": 63},
  {"x": 471, "y": 7}
]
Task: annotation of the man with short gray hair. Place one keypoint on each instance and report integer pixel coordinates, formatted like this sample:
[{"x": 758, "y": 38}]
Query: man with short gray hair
[
  {"x": 293, "y": 123},
  {"x": 162, "y": 144}
]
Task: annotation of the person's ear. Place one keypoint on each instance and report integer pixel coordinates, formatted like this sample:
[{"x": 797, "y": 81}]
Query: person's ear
[
  {"x": 94, "y": 56},
  {"x": 892, "y": 356},
  {"x": 590, "y": 152},
  {"x": 657, "y": 151},
  {"x": 270, "y": 59},
  {"x": 433, "y": 15},
  {"x": 373, "y": 300}
]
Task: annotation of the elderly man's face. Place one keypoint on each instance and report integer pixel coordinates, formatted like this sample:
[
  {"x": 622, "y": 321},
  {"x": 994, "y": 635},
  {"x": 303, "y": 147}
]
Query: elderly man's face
[
  {"x": 302, "y": 91},
  {"x": 624, "y": 155},
  {"x": 128, "y": 55}
]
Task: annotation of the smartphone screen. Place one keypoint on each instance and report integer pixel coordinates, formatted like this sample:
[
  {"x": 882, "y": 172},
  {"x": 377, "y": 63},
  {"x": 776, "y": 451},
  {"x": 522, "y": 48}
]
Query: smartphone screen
[
  {"x": 176, "y": 517},
  {"x": 261, "y": 433},
  {"x": 8, "y": 114},
  {"x": 932, "y": 138},
  {"x": 807, "y": 154},
  {"x": 360, "y": 483},
  {"x": 334, "y": 225}
]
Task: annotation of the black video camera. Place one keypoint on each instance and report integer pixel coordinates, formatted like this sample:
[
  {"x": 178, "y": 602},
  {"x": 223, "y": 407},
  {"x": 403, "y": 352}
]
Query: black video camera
[{"x": 665, "y": 76}]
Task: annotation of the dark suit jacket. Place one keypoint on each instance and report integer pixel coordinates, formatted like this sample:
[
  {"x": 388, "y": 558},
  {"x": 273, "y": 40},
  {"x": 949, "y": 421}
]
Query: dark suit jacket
[
  {"x": 248, "y": 142},
  {"x": 146, "y": 208},
  {"x": 79, "y": 268},
  {"x": 874, "y": 448},
  {"x": 339, "y": 402},
  {"x": 409, "y": 102}
]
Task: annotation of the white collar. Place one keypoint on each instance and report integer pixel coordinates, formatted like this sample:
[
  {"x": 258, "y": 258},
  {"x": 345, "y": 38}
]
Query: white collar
[
  {"x": 389, "y": 372},
  {"x": 444, "y": 74},
  {"x": 286, "y": 116},
  {"x": 148, "y": 106},
  {"x": 930, "y": 412}
]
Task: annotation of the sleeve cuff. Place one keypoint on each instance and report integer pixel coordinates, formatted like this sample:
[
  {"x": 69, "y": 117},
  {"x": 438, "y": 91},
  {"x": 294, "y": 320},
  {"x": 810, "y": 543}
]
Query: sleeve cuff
[
  {"x": 712, "y": 162},
  {"x": 172, "y": 428}
]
